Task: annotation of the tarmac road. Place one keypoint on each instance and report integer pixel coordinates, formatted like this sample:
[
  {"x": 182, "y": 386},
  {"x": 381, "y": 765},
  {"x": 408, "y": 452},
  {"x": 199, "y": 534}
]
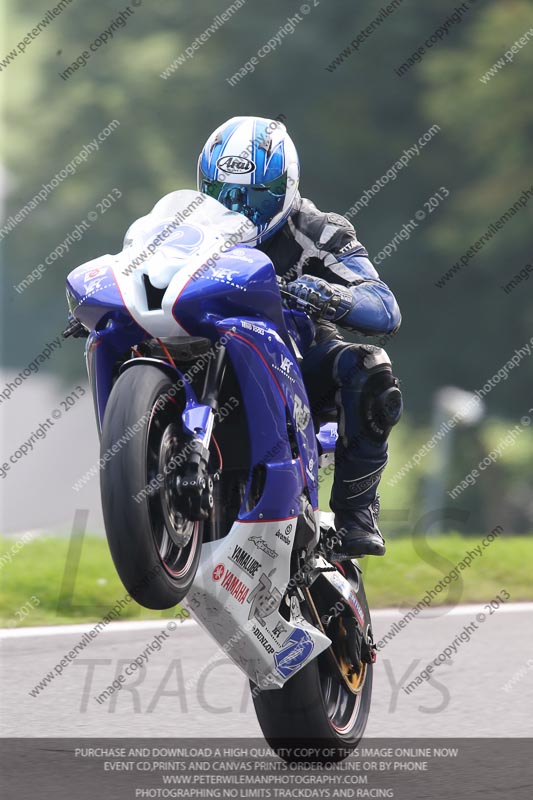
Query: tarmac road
[{"x": 188, "y": 687}]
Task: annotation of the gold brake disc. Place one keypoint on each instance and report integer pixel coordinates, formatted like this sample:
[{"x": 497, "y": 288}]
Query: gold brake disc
[
  {"x": 352, "y": 681},
  {"x": 350, "y": 676}
]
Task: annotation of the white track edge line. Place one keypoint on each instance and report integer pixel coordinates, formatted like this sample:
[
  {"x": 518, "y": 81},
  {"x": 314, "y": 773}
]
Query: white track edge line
[
  {"x": 139, "y": 625},
  {"x": 111, "y": 627}
]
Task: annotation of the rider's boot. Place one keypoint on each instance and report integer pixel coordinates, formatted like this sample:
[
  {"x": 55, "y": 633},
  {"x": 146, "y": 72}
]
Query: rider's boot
[
  {"x": 358, "y": 533},
  {"x": 370, "y": 404}
]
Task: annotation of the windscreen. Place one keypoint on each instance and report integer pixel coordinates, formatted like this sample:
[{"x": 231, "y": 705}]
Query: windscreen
[{"x": 183, "y": 228}]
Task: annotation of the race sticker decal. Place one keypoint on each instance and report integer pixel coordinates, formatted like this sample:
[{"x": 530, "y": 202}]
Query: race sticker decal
[
  {"x": 279, "y": 630},
  {"x": 231, "y": 583},
  {"x": 302, "y": 413},
  {"x": 285, "y": 368},
  {"x": 264, "y": 600},
  {"x": 263, "y": 640},
  {"x": 245, "y": 561},
  {"x": 285, "y": 538},
  {"x": 294, "y": 652},
  {"x": 262, "y": 545},
  {"x": 356, "y": 605}
]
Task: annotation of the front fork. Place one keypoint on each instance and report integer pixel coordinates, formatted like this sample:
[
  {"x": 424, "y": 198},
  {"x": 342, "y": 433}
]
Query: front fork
[{"x": 195, "y": 485}]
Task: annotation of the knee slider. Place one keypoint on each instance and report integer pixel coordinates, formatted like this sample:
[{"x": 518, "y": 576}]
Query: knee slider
[{"x": 381, "y": 401}]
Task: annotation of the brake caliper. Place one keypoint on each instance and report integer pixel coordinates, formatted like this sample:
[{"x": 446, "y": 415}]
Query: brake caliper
[{"x": 194, "y": 486}]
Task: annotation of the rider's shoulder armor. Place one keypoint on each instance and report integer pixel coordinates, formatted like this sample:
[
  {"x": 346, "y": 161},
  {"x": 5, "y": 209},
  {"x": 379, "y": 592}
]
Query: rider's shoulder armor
[
  {"x": 308, "y": 237},
  {"x": 322, "y": 232}
]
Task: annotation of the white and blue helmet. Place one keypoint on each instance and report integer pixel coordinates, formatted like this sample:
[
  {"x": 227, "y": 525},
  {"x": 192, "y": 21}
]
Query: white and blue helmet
[{"x": 250, "y": 165}]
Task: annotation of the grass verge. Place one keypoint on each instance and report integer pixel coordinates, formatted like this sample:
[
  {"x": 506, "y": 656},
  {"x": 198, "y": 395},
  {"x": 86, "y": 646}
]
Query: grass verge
[
  {"x": 83, "y": 586},
  {"x": 72, "y": 582},
  {"x": 413, "y": 567}
]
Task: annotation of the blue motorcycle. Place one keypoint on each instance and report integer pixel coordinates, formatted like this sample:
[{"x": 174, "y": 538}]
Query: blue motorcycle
[{"x": 211, "y": 465}]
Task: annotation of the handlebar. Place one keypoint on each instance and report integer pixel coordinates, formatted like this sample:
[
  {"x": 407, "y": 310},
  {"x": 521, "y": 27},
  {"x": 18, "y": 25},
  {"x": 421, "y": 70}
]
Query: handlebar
[
  {"x": 75, "y": 329},
  {"x": 298, "y": 303}
]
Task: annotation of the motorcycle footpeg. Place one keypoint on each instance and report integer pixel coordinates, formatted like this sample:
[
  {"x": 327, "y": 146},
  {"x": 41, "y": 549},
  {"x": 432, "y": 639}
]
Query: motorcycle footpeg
[{"x": 331, "y": 542}]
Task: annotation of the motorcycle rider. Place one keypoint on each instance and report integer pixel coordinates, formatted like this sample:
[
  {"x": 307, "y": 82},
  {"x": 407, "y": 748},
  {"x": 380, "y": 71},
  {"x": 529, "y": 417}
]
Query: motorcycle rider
[{"x": 250, "y": 165}]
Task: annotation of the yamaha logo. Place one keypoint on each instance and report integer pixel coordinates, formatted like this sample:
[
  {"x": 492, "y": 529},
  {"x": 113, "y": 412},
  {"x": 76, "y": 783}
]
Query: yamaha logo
[{"x": 235, "y": 165}]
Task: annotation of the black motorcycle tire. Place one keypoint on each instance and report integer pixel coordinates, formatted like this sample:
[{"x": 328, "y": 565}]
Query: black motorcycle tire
[
  {"x": 154, "y": 570},
  {"x": 314, "y": 717}
]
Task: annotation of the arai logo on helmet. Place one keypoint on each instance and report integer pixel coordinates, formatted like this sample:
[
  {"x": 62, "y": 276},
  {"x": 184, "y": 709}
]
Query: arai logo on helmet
[{"x": 235, "y": 165}]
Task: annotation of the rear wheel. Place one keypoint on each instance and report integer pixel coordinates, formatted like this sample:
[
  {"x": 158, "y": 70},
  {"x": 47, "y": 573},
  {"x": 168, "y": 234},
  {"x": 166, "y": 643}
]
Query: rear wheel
[
  {"x": 324, "y": 707},
  {"x": 154, "y": 545}
]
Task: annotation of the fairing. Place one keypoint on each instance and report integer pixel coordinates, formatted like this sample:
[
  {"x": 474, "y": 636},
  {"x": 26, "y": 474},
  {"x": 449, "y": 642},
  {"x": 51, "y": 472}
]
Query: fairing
[{"x": 207, "y": 285}]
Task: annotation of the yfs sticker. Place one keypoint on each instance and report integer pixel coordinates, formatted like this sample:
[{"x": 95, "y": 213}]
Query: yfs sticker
[
  {"x": 279, "y": 629},
  {"x": 294, "y": 652},
  {"x": 235, "y": 165}
]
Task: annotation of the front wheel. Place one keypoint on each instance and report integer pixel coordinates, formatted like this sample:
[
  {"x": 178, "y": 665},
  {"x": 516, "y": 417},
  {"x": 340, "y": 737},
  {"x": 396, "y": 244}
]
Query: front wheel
[{"x": 154, "y": 546}]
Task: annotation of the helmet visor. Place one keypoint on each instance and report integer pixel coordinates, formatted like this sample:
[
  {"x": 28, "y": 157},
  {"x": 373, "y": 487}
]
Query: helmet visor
[{"x": 259, "y": 203}]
